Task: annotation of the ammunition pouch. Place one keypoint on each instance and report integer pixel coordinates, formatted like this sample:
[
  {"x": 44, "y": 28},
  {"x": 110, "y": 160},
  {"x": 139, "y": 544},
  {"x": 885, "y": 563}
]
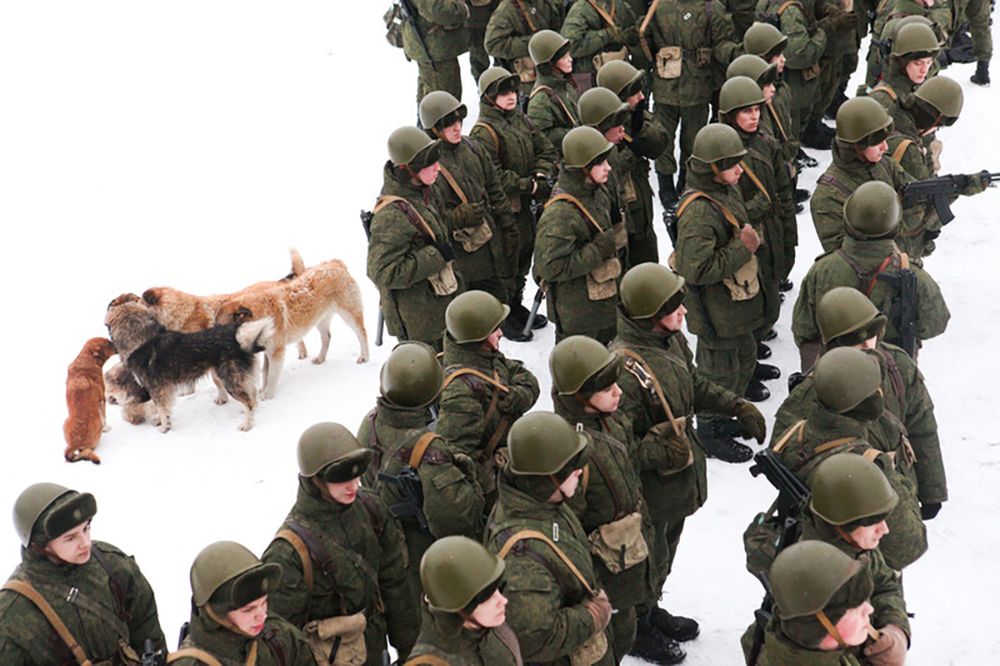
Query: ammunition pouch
[
  {"x": 668, "y": 62},
  {"x": 323, "y": 634},
  {"x": 590, "y": 652},
  {"x": 525, "y": 69},
  {"x": 602, "y": 282},
  {"x": 444, "y": 282},
  {"x": 474, "y": 237},
  {"x": 620, "y": 544},
  {"x": 745, "y": 283},
  {"x": 608, "y": 56}
]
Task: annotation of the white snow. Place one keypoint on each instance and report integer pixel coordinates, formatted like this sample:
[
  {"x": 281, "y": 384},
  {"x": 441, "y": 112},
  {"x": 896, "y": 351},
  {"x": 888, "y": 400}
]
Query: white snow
[{"x": 190, "y": 144}]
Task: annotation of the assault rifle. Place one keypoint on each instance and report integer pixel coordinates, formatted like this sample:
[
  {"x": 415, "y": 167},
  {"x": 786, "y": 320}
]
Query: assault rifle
[
  {"x": 366, "y": 223},
  {"x": 413, "y": 495},
  {"x": 905, "y": 303},
  {"x": 535, "y": 304},
  {"x": 409, "y": 14},
  {"x": 940, "y": 190},
  {"x": 152, "y": 656}
]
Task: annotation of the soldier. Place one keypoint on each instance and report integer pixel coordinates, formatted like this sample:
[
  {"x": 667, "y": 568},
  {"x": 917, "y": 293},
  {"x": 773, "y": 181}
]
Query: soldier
[
  {"x": 480, "y": 12},
  {"x": 580, "y": 235},
  {"x": 467, "y": 610},
  {"x": 692, "y": 41},
  {"x": 838, "y": 62},
  {"x": 510, "y": 29},
  {"x": 554, "y": 604},
  {"x": 409, "y": 257},
  {"x": 871, "y": 217},
  {"x": 434, "y": 39},
  {"x": 470, "y": 199},
  {"x": 525, "y": 163},
  {"x": 413, "y": 471},
  {"x": 937, "y": 12},
  {"x": 610, "y": 506},
  {"x": 601, "y": 31},
  {"x": 229, "y": 614},
  {"x": 913, "y": 51},
  {"x": 72, "y": 600},
  {"x": 644, "y": 139},
  {"x": 483, "y": 391},
  {"x": 343, "y": 571},
  {"x": 552, "y": 105}
]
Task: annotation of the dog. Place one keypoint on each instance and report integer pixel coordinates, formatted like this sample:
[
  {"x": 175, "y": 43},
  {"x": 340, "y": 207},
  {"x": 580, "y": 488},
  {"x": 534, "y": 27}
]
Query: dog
[
  {"x": 85, "y": 400},
  {"x": 161, "y": 359},
  {"x": 296, "y": 306},
  {"x": 124, "y": 391}
]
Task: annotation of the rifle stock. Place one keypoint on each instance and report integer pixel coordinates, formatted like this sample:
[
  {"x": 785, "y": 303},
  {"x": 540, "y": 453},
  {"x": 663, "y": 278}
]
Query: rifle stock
[
  {"x": 409, "y": 14},
  {"x": 366, "y": 224},
  {"x": 904, "y": 309}
]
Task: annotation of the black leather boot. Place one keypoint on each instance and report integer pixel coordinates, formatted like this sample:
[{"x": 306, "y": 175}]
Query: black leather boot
[
  {"x": 718, "y": 445},
  {"x": 982, "y": 75},
  {"x": 813, "y": 136},
  {"x": 653, "y": 646},
  {"x": 764, "y": 372},
  {"x": 676, "y": 627},
  {"x": 763, "y": 351},
  {"x": 668, "y": 194},
  {"x": 756, "y": 391},
  {"x": 805, "y": 161}
]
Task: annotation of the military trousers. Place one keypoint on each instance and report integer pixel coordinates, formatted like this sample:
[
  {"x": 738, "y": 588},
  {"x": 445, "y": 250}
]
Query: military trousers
[
  {"x": 666, "y": 536},
  {"x": 622, "y": 632},
  {"x": 526, "y": 248},
  {"x": 603, "y": 335},
  {"x": 803, "y": 96},
  {"x": 691, "y": 119},
  {"x": 642, "y": 249},
  {"x": 417, "y": 543},
  {"x": 439, "y": 75},
  {"x": 977, "y": 13},
  {"x": 478, "y": 58},
  {"x": 729, "y": 362}
]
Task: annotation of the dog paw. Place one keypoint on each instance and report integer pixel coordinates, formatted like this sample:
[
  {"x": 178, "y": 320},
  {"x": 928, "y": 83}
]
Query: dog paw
[
  {"x": 106, "y": 428},
  {"x": 221, "y": 399},
  {"x": 362, "y": 359},
  {"x": 319, "y": 361},
  {"x": 303, "y": 354},
  {"x": 76, "y": 455},
  {"x": 164, "y": 427},
  {"x": 245, "y": 426}
]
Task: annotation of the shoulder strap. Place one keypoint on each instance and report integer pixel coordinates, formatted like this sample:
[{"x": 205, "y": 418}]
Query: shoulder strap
[
  {"x": 642, "y": 29},
  {"x": 475, "y": 373},
  {"x": 777, "y": 120},
  {"x": 752, "y": 176},
  {"x": 556, "y": 99},
  {"x": 585, "y": 479},
  {"x": 871, "y": 454},
  {"x": 426, "y": 660},
  {"x": 453, "y": 184},
  {"x": 524, "y": 14},
  {"x": 608, "y": 18},
  {"x": 895, "y": 376},
  {"x": 412, "y": 214},
  {"x": 117, "y": 590},
  {"x": 420, "y": 448},
  {"x": 274, "y": 645},
  {"x": 300, "y": 547},
  {"x": 831, "y": 180},
  {"x": 788, "y": 434},
  {"x": 887, "y": 89},
  {"x": 566, "y": 196},
  {"x": 534, "y": 534},
  {"x": 698, "y": 194},
  {"x": 492, "y": 132},
  {"x": 834, "y": 443},
  {"x": 897, "y": 155},
  {"x": 651, "y": 377},
  {"x": 194, "y": 653},
  {"x": 28, "y": 591},
  {"x": 788, "y": 3}
]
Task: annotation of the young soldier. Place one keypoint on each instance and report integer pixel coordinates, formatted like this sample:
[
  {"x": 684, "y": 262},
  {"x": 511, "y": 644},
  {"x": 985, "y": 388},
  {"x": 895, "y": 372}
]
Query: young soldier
[
  {"x": 442, "y": 38},
  {"x": 580, "y": 235},
  {"x": 913, "y": 51},
  {"x": 554, "y": 604},
  {"x": 525, "y": 162},
  {"x": 72, "y": 600},
  {"x": 552, "y": 105},
  {"x": 409, "y": 257},
  {"x": 343, "y": 571},
  {"x": 510, "y": 29},
  {"x": 229, "y": 614},
  {"x": 601, "y": 31}
]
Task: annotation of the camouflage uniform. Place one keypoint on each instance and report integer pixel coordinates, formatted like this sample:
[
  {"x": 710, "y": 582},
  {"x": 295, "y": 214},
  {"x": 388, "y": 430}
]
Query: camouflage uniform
[
  {"x": 552, "y": 106},
  {"x": 889, "y": 14},
  {"x": 443, "y": 636},
  {"x": 278, "y": 644},
  {"x": 442, "y": 26},
  {"x": 365, "y": 568},
  {"x": 779, "y": 650},
  {"x": 514, "y": 22},
  {"x": 634, "y": 154},
  {"x": 480, "y": 12},
  {"x": 591, "y": 34},
  {"x": 111, "y": 603}
]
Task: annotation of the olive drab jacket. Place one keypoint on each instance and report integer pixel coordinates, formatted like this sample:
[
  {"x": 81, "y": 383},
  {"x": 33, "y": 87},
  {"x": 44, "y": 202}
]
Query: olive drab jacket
[
  {"x": 357, "y": 564},
  {"x": 776, "y": 121},
  {"x": 553, "y": 107},
  {"x": 634, "y": 154},
  {"x": 857, "y": 264},
  {"x": 780, "y": 651},
  {"x": 595, "y": 28},
  {"x": 442, "y": 26},
  {"x": 709, "y": 250},
  {"x": 514, "y": 22},
  {"x": 442, "y": 635},
  {"x": 102, "y": 603},
  {"x": 806, "y": 42},
  {"x": 278, "y": 644},
  {"x": 891, "y": 12},
  {"x": 402, "y": 257},
  {"x": 545, "y": 600},
  {"x": 673, "y": 487}
]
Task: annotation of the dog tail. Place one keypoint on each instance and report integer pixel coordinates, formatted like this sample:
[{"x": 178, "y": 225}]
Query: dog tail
[
  {"x": 253, "y": 336},
  {"x": 298, "y": 266}
]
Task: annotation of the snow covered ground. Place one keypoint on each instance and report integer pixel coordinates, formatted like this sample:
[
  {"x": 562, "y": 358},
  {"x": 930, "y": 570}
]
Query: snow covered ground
[{"x": 190, "y": 144}]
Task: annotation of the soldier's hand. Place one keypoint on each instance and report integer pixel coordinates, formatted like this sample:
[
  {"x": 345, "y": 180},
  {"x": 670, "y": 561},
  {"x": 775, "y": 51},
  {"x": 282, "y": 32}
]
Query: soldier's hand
[
  {"x": 605, "y": 243},
  {"x": 749, "y": 238},
  {"x": 466, "y": 215},
  {"x": 515, "y": 402},
  {"x": 466, "y": 466},
  {"x": 631, "y": 36},
  {"x": 542, "y": 189},
  {"x": 526, "y": 185},
  {"x": 600, "y": 610},
  {"x": 613, "y": 35},
  {"x": 638, "y": 118},
  {"x": 976, "y": 183},
  {"x": 929, "y": 510},
  {"x": 446, "y": 250},
  {"x": 751, "y": 419},
  {"x": 889, "y": 649}
]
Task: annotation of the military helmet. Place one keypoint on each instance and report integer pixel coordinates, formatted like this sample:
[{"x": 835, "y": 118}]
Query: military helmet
[
  {"x": 621, "y": 78},
  {"x": 753, "y": 67},
  {"x": 411, "y": 145},
  {"x": 496, "y": 78},
  {"x": 583, "y": 146},
  {"x": 411, "y": 376},
  {"x": 648, "y": 289},
  {"x": 438, "y": 106},
  {"x": 944, "y": 95},
  {"x": 764, "y": 40},
  {"x": 542, "y": 443},
  {"x": 718, "y": 142},
  {"x": 545, "y": 45},
  {"x": 872, "y": 210},
  {"x": 738, "y": 93},
  {"x": 456, "y": 571},
  {"x": 845, "y": 310},
  {"x": 473, "y": 315},
  {"x": 577, "y": 360},
  {"x": 845, "y": 377},
  {"x": 230, "y": 576},
  {"x": 862, "y": 120},
  {"x": 48, "y": 510},
  {"x": 848, "y": 487},
  {"x": 805, "y": 576},
  {"x": 601, "y": 109},
  {"x": 332, "y": 452},
  {"x": 915, "y": 40}
]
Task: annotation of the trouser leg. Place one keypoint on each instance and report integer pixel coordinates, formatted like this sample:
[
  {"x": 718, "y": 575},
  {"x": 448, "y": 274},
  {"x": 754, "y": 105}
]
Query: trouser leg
[
  {"x": 478, "y": 58},
  {"x": 669, "y": 116},
  {"x": 440, "y": 75},
  {"x": 728, "y": 362},
  {"x": 693, "y": 118},
  {"x": 622, "y": 632}
]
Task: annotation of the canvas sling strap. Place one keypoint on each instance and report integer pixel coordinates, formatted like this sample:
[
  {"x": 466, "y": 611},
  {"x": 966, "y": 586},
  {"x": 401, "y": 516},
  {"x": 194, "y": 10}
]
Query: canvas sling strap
[
  {"x": 558, "y": 101},
  {"x": 887, "y": 90},
  {"x": 897, "y": 155},
  {"x": 412, "y": 214},
  {"x": 607, "y": 17},
  {"x": 566, "y": 196},
  {"x": 491, "y": 408},
  {"x": 833, "y": 443},
  {"x": 904, "y": 264},
  {"x": 534, "y": 534},
  {"x": 495, "y": 382},
  {"x": 493, "y": 134},
  {"x": 420, "y": 448},
  {"x": 726, "y": 213},
  {"x": 527, "y": 17},
  {"x": 194, "y": 653},
  {"x": 302, "y": 550},
  {"x": 453, "y": 184},
  {"x": 28, "y": 591},
  {"x": 796, "y": 430},
  {"x": 648, "y": 380},
  {"x": 642, "y": 29},
  {"x": 834, "y": 182},
  {"x": 755, "y": 180},
  {"x": 788, "y": 3},
  {"x": 777, "y": 121}
]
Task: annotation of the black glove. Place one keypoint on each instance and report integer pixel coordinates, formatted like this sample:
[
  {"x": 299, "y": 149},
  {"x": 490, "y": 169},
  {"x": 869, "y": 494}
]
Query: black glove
[
  {"x": 526, "y": 185},
  {"x": 446, "y": 250},
  {"x": 605, "y": 242},
  {"x": 928, "y": 511},
  {"x": 466, "y": 215},
  {"x": 638, "y": 118},
  {"x": 616, "y": 215}
]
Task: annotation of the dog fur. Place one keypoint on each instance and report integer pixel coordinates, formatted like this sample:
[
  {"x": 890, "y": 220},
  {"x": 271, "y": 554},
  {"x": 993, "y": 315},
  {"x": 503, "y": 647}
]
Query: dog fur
[
  {"x": 296, "y": 306},
  {"x": 124, "y": 391},
  {"x": 85, "y": 400},
  {"x": 162, "y": 360}
]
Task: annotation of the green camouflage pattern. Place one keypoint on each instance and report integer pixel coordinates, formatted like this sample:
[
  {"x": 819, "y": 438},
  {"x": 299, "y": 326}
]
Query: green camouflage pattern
[
  {"x": 806, "y": 45},
  {"x": 634, "y": 155},
  {"x": 508, "y": 33},
  {"x": 232, "y": 648},
  {"x": 590, "y": 34},
  {"x": 442, "y": 25},
  {"x": 442, "y": 635},
  {"x": 551, "y": 98}
]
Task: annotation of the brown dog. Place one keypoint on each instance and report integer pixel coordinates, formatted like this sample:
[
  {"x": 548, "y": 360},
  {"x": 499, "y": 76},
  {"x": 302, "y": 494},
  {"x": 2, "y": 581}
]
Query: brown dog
[
  {"x": 296, "y": 306},
  {"x": 85, "y": 401}
]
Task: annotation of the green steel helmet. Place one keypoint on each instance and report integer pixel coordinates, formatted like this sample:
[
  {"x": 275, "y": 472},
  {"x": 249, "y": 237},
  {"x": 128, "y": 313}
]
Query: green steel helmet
[
  {"x": 863, "y": 120},
  {"x": 583, "y": 146},
  {"x": 648, "y": 289},
  {"x": 544, "y": 45},
  {"x": 845, "y": 310},
  {"x": 457, "y": 572},
  {"x": 620, "y": 77},
  {"x": 542, "y": 443},
  {"x": 473, "y": 315},
  {"x": 44, "y": 511},
  {"x": 411, "y": 376},
  {"x": 438, "y": 106},
  {"x": 229, "y": 576},
  {"x": 915, "y": 40},
  {"x": 872, "y": 210},
  {"x": 739, "y": 92},
  {"x": 497, "y": 80},
  {"x": 764, "y": 40},
  {"x": 578, "y": 359},
  {"x": 845, "y": 377},
  {"x": 332, "y": 452},
  {"x": 718, "y": 142},
  {"x": 805, "y": 576},
  {"x": 942, "y": 94},
  {"x": 411, "y": 145},
  {"x": 848, "y": 487},
  {"x": 753, "y": 67},
  {"x": 601, "y": 109}
]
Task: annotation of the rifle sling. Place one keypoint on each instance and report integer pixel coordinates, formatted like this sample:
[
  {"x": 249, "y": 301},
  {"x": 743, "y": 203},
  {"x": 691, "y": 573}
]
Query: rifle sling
[
  {"x": 777, "y": 121},
  {"x": 897, "y": 155},
  {"x": 116, "y": 587},
  {"x": 788, "y": 434},
  {"x": 194, "y": 653},
  {"x": 636, "y": 358},
  {"x": 726, "y": 213},
  {"x": 558, "y": 100},
  {"x": 525, "y": 16},
  {"x": 756, "y": 181},
  {"x": 492, "y": 132},
  {"x": 642, "y": 29},
  {"x": 411, "y": 213},
  {"x": 420, "y": 448},
  {"x": 534, "y": 534},
  {"x": 608, "y": 18},
  {"x": 475, "y": 373},
  {"x": 28, "y": 591},
  {"x": 299, "y": 545},
  {"x": 566, "y": 196},
  {"x": 833, "y": 443},
  {"x": 456, "y": 188}
]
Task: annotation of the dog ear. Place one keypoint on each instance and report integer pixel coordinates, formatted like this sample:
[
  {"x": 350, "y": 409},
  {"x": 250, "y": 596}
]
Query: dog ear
[
  {"x": 151, "y": 296},
  {"x": 127, "y": 297}
]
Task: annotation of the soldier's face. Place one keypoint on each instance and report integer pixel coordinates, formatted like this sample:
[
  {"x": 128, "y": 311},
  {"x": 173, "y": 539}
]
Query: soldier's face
[
  {"x": 675, "y": 320},
  {"x": 250, "y": 618},
  {"x": 565, "y": 64},
  {"x": 72, "y": 547},
  {"x": 779, "y": 60},
  {"x": 344, "y": 492},
  {"x": 916, "y": 70},
  {"x": 492, "y": 612},
  {"x": 492, "y": 341},
  {"x": 768, "y": 91},
  {"x": 452, "y": 133},
  {"x": 730, "y": 176},
  {"x": 568, "y": 487},
  {"x": 852, "y": 627},
  {"x": 615, "y": 134},
  {"x": 599, "y": 173},
  {"x": 868, "y": 537},
  {"x": 874, "y": 153},
  {"x": 748, "y": 119},
  {"x": 429, "y": 174},
  {"x": 634, "y": 100},
  {"x": 606, "y": 401},
  {"x": 506, "y": 101}
]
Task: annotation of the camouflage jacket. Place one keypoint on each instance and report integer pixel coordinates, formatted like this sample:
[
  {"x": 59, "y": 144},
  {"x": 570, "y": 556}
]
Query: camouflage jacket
[
  {"x": 780, "y": 651},
  {"x": 634, "y": 154},
  {"x": 553, "y": 107},
  {"x": 99, "y": 606},
  {"x": 278, "y": 644},
  {"x": 776, "y": 120},
  {"x": 442, "y": 25},
  {"x": 479, "y": 15},
  {"x": 589, "y": 32},
  {"x": 442, "y": 635},
  {"x": 891, "y": 11},
  {"x": 514, "y": 22},
  {"x": 806, "y": 41},
  {"x": 894, "y": 89}
]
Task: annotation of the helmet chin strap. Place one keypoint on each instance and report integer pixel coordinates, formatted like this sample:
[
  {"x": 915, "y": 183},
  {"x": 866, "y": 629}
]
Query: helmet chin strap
[{"x": 831, "y": 629}]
